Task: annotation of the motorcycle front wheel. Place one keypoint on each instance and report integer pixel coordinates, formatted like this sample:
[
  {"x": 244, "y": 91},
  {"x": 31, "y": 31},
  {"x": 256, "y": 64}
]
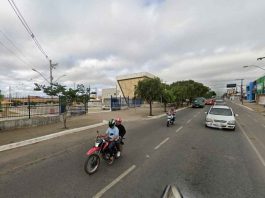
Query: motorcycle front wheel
[{"x": 92, "y": 163}]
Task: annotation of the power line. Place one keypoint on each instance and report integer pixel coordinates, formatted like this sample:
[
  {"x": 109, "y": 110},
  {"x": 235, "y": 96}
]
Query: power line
[
  {"x": 24, "y": 23},
  {"x": 18, "y": 50},
  {"x": 11, "y": 51},
  {"x": 6, "y": 37}
]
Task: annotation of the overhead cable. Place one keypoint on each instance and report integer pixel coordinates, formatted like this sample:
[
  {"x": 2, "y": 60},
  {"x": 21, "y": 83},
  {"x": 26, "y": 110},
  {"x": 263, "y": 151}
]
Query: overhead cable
[{"x": 24, "y": 23}]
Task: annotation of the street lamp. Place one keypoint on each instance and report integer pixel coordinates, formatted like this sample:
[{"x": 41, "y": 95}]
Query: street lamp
[
  {"x": 254, "y": 66},
  {"x": 59, "y": 78},
  {"x": 260, "y": 58},
  {"x": 41, "y": 75}
]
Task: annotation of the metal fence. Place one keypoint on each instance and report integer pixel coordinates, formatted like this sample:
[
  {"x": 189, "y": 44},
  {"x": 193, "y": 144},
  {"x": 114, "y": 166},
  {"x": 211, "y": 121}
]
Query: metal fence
[
  {"x": 29, "y": 106},
  {"x": 41, "y": 106},
  {"x": 116, "y": 103}
]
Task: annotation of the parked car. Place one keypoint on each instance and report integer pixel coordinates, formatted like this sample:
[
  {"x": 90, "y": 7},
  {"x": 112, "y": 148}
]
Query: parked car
[
  {"x": 198, "y": 102},
  {"x": 221, "y": 117}
]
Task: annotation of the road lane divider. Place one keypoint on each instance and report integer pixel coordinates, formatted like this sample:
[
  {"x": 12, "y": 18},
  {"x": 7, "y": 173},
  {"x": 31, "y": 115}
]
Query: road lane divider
[
  {"x": 115, "y": 181},
  {"x": 179, "y": 129},
  {"x": 163, "y": 142},
  {"x": 188, "y": 121},
  {"x": 252, "y": 145}
]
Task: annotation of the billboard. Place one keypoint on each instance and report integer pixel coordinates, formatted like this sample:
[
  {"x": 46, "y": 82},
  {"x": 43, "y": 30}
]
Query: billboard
[{"x": 230, "y": 85}]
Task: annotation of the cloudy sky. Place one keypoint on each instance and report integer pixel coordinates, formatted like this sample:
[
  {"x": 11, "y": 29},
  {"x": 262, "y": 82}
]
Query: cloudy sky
[{"x": 94, "y": 41}]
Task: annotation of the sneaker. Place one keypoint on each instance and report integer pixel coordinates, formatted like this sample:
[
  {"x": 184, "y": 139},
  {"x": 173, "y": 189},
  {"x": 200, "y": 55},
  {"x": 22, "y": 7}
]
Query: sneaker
[
  {"x": 118, "y": 154},
  {"x": 111, "y": 160}
]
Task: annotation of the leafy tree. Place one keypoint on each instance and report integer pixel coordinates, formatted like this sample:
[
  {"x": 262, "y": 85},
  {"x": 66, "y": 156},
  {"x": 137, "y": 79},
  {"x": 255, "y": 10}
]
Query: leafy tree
[
  {"x": 68, "y": 96},
  {"x": 210, "y": 94},
  {"x": 1, "y": 98},
  {"x": 189, "y": 89},
  {"x": 149, "y": 90},
  {"x": 167, "y": 97}
]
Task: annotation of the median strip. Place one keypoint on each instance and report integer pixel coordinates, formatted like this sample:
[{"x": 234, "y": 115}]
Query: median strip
[{"x": 47, "y": 137}]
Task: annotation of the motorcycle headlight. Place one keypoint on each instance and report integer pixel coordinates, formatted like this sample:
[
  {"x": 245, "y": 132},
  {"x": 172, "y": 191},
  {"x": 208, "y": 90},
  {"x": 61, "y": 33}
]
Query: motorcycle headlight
[
  {"x": 231, "y": 122},
  {"x": 209, "y": 120}
]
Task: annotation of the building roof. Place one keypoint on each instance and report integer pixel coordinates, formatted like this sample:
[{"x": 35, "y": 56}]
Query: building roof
[{"x": 135, "y": 75}]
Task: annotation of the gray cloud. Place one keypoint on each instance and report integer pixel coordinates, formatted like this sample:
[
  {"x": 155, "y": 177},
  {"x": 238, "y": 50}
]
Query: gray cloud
[{"x": 94, "y": 41}]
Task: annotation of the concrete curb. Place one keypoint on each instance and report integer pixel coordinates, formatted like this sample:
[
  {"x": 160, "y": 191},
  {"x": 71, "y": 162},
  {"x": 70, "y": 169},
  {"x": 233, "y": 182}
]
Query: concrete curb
[
  {"x": 47, "y": 137},
  {"x": 66, "y": 132}
]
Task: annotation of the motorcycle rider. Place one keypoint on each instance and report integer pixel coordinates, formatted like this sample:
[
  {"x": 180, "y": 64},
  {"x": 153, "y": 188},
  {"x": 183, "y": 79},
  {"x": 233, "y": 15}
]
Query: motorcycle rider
[
  {"x": 122, "y": 130},
  {"x": 113, "y": 135},
  {"x": 173, "y": 113}
]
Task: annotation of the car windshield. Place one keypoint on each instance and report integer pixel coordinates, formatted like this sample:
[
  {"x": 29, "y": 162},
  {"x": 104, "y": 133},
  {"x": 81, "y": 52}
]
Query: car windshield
[{"x": 220, "y": 111}]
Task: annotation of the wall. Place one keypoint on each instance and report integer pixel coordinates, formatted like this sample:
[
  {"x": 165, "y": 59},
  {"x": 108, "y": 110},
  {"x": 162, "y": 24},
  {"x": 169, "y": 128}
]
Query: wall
[{"x": 25, "y": 122}]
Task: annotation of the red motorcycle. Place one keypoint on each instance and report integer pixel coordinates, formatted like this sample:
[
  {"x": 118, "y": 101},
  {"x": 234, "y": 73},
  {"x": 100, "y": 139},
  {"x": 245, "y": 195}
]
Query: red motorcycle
[{"x": 100, "y": 150}]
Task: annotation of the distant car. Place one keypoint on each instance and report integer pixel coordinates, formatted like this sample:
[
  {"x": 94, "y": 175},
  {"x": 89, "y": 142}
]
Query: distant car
[
  {"x": 105, "y": 107},
  {"x": 198, "y": 102},
  {"x": 209, "y": 101},
  {"x": 221, "y": 117},
  {"x": 219, "y": 102}
]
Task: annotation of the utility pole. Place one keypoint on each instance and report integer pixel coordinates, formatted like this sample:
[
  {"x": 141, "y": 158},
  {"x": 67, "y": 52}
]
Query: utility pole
[
  {"x": 52, "y": 66},
  {"x": 241, "y": 87}
]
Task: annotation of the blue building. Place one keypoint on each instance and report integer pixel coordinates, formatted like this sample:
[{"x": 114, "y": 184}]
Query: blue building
[{"x": 251, "y": 90}]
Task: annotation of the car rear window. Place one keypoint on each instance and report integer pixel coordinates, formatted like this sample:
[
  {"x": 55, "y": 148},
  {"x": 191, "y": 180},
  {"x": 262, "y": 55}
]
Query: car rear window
[{"x": 220, "y": 111}]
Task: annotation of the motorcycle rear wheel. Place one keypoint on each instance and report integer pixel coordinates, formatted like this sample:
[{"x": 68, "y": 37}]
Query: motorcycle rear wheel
[{"x": 92, "y": 166}]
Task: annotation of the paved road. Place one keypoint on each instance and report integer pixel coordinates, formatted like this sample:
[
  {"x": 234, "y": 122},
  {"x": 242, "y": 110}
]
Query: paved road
[{"x": 202, "y": 162}]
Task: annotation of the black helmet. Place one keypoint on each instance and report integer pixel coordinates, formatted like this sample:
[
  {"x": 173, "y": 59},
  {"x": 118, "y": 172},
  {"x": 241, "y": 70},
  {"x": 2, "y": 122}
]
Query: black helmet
[{"x": 111, "y": 123}]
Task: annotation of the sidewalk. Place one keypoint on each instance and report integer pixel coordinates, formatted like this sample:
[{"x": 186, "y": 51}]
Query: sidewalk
[
  {"x": 256, "y": 107},
  {"x": 16, "y": 135}
]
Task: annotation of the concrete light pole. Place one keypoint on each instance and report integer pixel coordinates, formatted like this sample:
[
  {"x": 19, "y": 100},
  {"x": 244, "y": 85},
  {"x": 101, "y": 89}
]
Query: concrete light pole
[
  {"x": 41, "y": 75},
  {"x": 52, "y": 66},
  {"x": 241, "y": 89}
]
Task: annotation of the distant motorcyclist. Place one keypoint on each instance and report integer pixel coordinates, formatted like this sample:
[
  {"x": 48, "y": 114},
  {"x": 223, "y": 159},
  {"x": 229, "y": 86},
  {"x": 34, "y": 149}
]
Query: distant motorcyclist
[
  {"x": 113, "y": 136},
  {"x": 122, "y": 130},
  {"x": 173, "y": 113}
]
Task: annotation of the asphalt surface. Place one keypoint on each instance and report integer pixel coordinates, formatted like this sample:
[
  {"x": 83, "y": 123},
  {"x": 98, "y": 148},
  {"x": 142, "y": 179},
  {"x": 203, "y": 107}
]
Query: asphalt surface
[{"x": 202, "y": 162}]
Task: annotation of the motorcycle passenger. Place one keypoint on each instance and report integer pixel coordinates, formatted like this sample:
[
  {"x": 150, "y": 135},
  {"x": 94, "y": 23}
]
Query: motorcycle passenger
[
  {"x": 122, "y": 130},
  {"x": 113, "y": 135}
]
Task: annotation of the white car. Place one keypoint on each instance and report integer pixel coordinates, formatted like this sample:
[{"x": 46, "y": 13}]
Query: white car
[{"x": 221, "y": 117}]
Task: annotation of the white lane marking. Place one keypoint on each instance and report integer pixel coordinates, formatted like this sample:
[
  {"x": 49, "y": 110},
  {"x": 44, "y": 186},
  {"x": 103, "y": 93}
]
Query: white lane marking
[
  {"x": 47, "y": 137},
  {"x": 252, "y": 145},
  {"x": 179, "y": 129},
  {"x": 115, "y": 181},
  {"x": 163, "y": 142},
  {"x": 189, "y": 121}
]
